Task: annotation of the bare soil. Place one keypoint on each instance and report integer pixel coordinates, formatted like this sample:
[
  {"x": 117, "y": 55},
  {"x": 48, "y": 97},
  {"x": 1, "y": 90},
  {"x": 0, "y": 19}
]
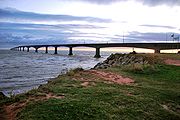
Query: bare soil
[
  {"x": 10, "y": 111},
  {"x": 112, "y": 77},
  {"x": 172, "y": 62}
]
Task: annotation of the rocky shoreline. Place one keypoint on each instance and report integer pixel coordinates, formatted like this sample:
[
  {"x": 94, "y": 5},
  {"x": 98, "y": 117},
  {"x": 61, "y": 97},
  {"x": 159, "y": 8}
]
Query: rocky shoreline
[
  {"x": 126, "y": 59},
  {"x": 119, "y": 59}
]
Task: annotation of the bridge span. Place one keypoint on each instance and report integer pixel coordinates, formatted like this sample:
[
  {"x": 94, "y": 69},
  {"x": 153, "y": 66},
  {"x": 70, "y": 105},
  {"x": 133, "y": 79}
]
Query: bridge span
[{"x": 155, "y": 46}]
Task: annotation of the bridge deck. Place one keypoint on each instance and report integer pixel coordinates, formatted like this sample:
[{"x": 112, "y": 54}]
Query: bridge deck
[{"x": 156, "y": 46}]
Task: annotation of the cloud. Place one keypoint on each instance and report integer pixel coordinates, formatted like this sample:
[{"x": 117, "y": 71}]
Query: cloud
[
  {"x": 159, "y": 26},
  {"x": 102, "y": 1},
  {"x": 160, "y": 2},
  {"x": 10, "y": 40},
  {"x": 14, "y": 34},
  {"x": 8, "y": 25},
  {"x": 149, "y": 37},
  {"x": 145, "y": 2},
  {"x": 44, "y": 31},
  {"x": 16, "y": 15}
]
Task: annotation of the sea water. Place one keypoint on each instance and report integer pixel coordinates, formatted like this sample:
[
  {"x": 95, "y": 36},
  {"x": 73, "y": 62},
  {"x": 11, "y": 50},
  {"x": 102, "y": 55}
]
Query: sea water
[{"x": 21, "y": 71}]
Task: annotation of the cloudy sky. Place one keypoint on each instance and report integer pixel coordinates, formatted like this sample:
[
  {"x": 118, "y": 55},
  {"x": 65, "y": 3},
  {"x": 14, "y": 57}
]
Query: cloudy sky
[{"x": 90, "y": 21}]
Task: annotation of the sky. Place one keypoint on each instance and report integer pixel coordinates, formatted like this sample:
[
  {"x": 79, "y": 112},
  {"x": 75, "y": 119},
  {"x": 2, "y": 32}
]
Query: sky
[{"x": 25, "y": 22}]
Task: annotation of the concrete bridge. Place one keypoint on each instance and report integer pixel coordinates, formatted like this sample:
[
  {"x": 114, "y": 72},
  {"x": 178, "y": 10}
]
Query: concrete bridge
[{"x": 155, "y": 46}]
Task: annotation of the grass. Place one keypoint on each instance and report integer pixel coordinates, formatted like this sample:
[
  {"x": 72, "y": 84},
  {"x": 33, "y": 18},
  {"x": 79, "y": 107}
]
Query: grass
[
  {"x": 154, "y": 95},
  {"x": 144, "y": 100},
  {"x": 161, "y": 56}
]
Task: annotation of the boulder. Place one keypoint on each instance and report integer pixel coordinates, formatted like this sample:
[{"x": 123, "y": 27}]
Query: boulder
[
  {"x": 2, "y": 96},
  {"x": 122, "y": 59},
  {"x": 134, "y": 52}
]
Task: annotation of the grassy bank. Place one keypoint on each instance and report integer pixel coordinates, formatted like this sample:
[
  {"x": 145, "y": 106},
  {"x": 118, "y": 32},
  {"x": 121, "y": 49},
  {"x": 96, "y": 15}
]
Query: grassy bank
[{"x": 154, "y": 95}]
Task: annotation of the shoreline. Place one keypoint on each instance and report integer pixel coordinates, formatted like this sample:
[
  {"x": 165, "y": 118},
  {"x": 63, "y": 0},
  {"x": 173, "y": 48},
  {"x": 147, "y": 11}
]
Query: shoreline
[
  {"x": 20, "y": 68},
  {"x": 86, "y": 80},
  {"x": 171, "y": 61}
]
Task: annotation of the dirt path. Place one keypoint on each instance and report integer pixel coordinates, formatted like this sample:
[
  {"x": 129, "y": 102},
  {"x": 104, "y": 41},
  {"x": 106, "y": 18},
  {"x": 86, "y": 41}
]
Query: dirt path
[
  {"x": 112, "y": 77},
  {"x": 10, "y": 111},
  {"x": 172, "y": 62}
]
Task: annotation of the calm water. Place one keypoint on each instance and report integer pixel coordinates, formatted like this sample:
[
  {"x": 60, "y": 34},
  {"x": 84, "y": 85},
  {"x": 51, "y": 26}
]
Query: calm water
[{"x": 22, "y": 71}]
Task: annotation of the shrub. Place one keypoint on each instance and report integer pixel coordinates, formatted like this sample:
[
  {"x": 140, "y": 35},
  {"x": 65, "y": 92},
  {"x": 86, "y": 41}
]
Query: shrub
[
  {"x": 71, "y": 72},
  {"x": 132, "y": 67},
  {"x": 140, "y": 68}
]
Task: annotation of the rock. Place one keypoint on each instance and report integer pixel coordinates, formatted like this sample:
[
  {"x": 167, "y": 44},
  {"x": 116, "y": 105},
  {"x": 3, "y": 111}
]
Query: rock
[
  {"x": 134, "y": 52},
  {"x": 111, "y": 57},
  {"x": 111, "y": 62},
  {"x": 2, "y": 96},
  {"x": 106, "y": 61},
  {"x": 122, "y": 59}
]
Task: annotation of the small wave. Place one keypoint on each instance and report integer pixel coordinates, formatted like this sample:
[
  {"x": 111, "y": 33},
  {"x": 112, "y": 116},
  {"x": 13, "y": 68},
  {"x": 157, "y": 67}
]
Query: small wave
[{"x": 12, "y": 77}]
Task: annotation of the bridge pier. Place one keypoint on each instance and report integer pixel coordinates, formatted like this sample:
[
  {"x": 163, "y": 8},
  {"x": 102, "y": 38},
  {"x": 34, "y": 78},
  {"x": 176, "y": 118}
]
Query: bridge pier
[
  {"x": 157, "y": 50},
  {"x": 27, "y": 49},
  {"x": 23, "y": 48},
  {"x": 19, "y": 48},
  {"x": 36, "y": 50},
  {"x": 55, "y": 52},
  {"x": 97, "y": 55},
  {"x": 46, "y": 50},
  {"x": 70, "y": 51}
]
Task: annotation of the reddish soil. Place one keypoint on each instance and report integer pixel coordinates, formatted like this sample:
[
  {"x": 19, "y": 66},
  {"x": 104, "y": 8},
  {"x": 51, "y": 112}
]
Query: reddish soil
[
  {"x": 172, "y": 62},
  {"x": 10, "y": 111},
  {"x": 112, "y": 77}
]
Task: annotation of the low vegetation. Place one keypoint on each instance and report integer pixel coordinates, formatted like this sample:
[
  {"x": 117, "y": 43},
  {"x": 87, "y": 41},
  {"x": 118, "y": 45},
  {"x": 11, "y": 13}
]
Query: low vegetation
[{"x": 155, "y": 94}]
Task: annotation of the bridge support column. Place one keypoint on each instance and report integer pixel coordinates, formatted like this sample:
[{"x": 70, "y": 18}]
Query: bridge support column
[
  {"x": 19, "y": 48},
  {"x": 70, "y": 51},
  {"x": 156, "y": 50},
  {"x": 46, "y": 50},
  {"x": 55, "y": 48},
  {"x": 36, "y": 50},
  {"x": 27, "y": 49},
  {"x": 97, "y": 55},
  {"x": 23, "y": 48}
]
